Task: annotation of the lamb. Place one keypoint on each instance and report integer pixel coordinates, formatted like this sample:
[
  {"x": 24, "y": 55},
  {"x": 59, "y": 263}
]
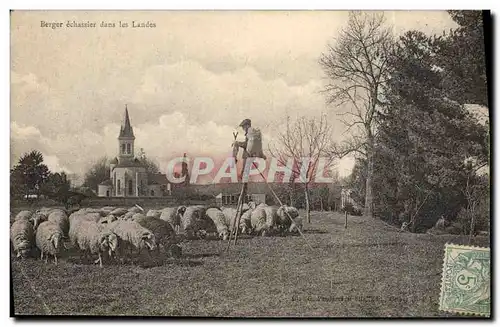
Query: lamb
[
  {"x": 94, "y": 238},
  {"x": 218, "y": 217},
  {"x": 48, "y": 240},
  {"x": 22, "y": 237},
  {"x": 162, "y": 230},
  {"x": 60, "y": 218},
  {"x": 173, "y": 216},
  {"x": 132, "y": 234}
]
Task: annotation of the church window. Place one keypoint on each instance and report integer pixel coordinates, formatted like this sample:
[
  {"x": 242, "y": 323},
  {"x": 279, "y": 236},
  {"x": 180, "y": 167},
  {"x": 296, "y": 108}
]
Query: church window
[
  {"x": 118, "y": 187},
  {"x": 107, "y": 193},
  {"x": 130, "y": 188},
  {"x": 128, "y": 148},
  {"x": 123, "y": 148},
  {"x": 152, "y": 193}
]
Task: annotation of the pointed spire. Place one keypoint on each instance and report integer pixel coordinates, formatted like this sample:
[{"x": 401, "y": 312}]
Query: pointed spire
[{"x": 126, "y": 128}]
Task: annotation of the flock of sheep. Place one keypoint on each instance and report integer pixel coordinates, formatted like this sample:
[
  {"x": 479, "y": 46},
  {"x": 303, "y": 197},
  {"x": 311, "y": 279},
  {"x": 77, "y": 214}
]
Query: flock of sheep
[{"x": 112, "y": 232}]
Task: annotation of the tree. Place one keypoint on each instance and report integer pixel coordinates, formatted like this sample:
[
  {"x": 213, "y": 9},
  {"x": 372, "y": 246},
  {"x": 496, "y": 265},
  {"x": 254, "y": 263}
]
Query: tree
[
  {"x": 424, "y": 139},
  {"x": 56, "y": 186},
  {"x": 356, "y": 66},
  {"x": 305, "y": 138},
  {"x": 97, "y": 173},
  {"x": 461, "y": 56},
  {"x": 28, "y": 176},
  {"x": 151, "y": 165}
]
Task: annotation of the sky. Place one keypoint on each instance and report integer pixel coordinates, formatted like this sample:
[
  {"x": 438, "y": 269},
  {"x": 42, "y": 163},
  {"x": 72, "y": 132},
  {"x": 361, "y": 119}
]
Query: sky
[{"x": 187, "y": 82}]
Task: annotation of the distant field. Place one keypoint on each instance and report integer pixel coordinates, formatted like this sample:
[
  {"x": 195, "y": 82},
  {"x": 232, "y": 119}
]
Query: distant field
[{"x": 366, "y": 270}]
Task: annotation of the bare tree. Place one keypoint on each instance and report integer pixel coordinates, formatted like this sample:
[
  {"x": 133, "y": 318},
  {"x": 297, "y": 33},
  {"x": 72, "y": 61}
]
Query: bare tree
[
  {"x": 307, "y": 137},
  {"x": 356, "y": 67}
]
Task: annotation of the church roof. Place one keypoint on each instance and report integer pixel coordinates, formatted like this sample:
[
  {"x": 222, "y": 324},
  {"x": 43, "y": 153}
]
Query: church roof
[
  {"x": 126, "y": 129},
  {"x": 160, "y": 179}
]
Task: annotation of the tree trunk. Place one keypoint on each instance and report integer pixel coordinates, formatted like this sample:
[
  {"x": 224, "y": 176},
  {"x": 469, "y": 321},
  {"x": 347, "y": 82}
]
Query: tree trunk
[
  {"x": 308, "y": 209},
  {"x": 368, "y": 186}
]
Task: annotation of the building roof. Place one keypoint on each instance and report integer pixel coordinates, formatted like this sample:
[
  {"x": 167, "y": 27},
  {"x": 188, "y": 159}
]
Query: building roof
[
  {"x": 126, "y": 130},
  {"x": 106, "y": 182},
  {"x": 160, "y": 179},
  {"x": 114, "y": 161},
  {"x": 129, "y": 163}
]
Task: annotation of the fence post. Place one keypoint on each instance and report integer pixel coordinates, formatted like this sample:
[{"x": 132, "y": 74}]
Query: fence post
[{"x": 345, "y": 224}]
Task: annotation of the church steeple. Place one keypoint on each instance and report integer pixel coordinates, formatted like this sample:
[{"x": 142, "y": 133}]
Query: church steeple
[
  {"x": 126, "y": 130},
  {"x": 126, "y": 138}
]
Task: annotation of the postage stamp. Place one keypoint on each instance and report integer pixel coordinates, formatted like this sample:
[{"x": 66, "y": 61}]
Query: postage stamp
[{"x": 465, "y": 287}]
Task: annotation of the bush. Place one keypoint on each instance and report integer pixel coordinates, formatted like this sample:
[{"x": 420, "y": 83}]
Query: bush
[{"x": 353, "y": 210}]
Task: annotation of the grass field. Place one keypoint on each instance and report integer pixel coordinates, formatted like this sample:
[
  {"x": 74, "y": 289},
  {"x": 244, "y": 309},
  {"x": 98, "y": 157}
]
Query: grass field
[{"x": 366, "y": 270}]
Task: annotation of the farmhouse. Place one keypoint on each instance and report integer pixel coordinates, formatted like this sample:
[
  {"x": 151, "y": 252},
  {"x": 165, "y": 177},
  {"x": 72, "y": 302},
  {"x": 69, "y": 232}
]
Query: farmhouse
[{"x": 128, "y": 176}]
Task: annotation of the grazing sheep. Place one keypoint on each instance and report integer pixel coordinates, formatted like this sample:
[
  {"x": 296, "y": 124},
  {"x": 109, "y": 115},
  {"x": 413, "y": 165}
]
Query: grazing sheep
[
  {"x": 173, "y": 215},
  {"x": 135, "y": 210},
  {"x": 193, "y": 221},
  {"x": 138, "y": 216},
  {"x": 246, "y": 221},
  {"x": 296, "y": 225},
  {"x": 284, "y": 213},
  {"x": 162, "y": 230},
  {"x": 59, "y": 218},
  {"x": 219, "y": 219},
  {"x": 271, "y": 215},
  {"x": 127, "y": 216},
  {"x": 94, "y": 238},
  {"x": 48, "y": 240},
  {"x": 258, "y": 221},
  {"x": 154, "y": 213},
  {"x": 107, "y": 219},
  {"x": 38, "y": 218},
  {"x": 132, "y": 235},
  {"x": 45, "y": 211},
  {"x": 107, "y": 210},
  {"x": 24, "y": 215},
  {"x": 22, "y": 237},
  {"x": 75, "y": 219},
  {"x": 118, "y": 212}
]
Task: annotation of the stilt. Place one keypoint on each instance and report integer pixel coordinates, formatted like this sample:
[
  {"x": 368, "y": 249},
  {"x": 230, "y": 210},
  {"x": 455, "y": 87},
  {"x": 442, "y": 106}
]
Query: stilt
[{"x": 55, "y": 259}]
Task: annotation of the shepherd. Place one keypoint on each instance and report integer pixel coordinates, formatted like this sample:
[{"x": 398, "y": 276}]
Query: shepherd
[{"x": 252, "y": 146}]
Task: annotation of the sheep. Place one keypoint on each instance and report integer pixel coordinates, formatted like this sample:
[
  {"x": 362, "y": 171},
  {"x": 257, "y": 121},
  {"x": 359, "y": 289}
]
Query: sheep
[
  {"x": 48, "y": 239},
  {"x": 24, "y": 215},
  {"x": 230, "y": 215},
  {"x": 75, "y": 219},
  {"x": 22, "y": 237},
  {"x": 95, "y": 238},
  {"x": 162, "y": 230},
  {"x": 284, "y": 213},
  {"x": 296, "y": 225},
  {"x": 127, "y": 216},
  {"x": 135, "y": 209},
  {"x": 107, "y": 219},
  {"x": 60, "y": 218},
  {"x": 246, "y": 221},
  {"x": 154, "y": 213},
  {"x": 193, "y": 220},
  {"x": 217, "y": 216},
  {"x": 118, "y": 212},
  {"x": 173, "y": 215},
  {"x": 271, "y": 215},
  {"x": 107, "y": 210},
  {"x": 132, "y": 234},
  {"x": 45, "y": 211},
  {"x": 137, "y": 216},
  {"x": 38, "y": 218},
  {"x": 258, "y": 221}
]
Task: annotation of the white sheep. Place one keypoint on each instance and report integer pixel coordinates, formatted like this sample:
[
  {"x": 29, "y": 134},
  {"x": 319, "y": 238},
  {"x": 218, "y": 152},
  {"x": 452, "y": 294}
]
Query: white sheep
[
  {"x": 153, "y": 213},
  {"x": 271, "y": 216},
  {"x": 75, "y": 219},
  {"x": 219, "y": 219},
  {"x": 94, "y": 238},
  {"x": 118, "y": 212},
  {"x": 48, "y": 240},
  {"x": 135, "y": 209},
  {"x": 127, "y": 216},
  {"x": 258, "y": 221},
  {"x": 39, "y": 217},
  {"x": 22, "y": 237},
  {"x": 107, "y": 219},
  {"x": 60, "y": 218},
  {"x": 137, "y": 216},
  {"x": 173, "y": 215},
  {"x": 24, "y": 215},
  {"x": 132, "y": 235},
  {"x": 107, "y": 210},
  {"x": 193, "y": 221}
]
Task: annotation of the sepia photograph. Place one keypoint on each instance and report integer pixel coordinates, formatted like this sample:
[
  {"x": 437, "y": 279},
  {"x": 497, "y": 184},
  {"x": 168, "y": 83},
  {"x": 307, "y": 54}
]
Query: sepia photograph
[{"x": 250, "y": 163}]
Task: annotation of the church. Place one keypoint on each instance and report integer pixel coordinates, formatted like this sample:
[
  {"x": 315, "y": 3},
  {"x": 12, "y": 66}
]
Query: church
[{"x": 128, "y": 177}]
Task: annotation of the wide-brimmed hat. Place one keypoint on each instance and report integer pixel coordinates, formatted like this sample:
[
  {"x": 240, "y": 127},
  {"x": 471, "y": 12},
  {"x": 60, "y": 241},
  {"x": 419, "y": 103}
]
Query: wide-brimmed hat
[{"x": 246, "y": 122}]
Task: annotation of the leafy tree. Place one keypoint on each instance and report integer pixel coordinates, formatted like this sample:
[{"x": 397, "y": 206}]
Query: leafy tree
[
  {"x": 29, "y": 174},
  {"x": 151, "y": 165},
  {"x": 98, "y": 172},
  {"x": 56, "y": 186}
]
